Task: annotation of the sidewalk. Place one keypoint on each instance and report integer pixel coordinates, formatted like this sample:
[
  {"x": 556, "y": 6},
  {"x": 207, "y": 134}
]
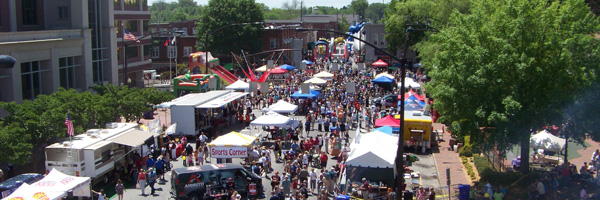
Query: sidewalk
[{"x": 445, "y": 158}]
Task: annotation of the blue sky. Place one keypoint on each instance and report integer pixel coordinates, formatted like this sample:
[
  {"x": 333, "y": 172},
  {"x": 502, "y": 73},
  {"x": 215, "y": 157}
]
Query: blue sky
[{"x": 308, "y": 3}]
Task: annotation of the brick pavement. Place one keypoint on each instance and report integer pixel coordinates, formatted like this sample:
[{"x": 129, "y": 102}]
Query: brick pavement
[
  {"x": 445, "y": 158},
  {"x": 585, "y": 153}
]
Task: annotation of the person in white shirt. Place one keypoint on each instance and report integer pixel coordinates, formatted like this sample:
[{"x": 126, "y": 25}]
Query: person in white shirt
[
  {"x": 313, "y": 181},
  {"x": 323, "y": 110},
  {"x": 320, "y": 123}
]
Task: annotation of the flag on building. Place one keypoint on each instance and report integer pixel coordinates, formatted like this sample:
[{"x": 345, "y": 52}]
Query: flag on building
[
  {"x": 69, "y": 125},
  {"x": 173, "y": 41},
  {"x": 129, "y": 37},
  {"x": 167, "y": 42}
]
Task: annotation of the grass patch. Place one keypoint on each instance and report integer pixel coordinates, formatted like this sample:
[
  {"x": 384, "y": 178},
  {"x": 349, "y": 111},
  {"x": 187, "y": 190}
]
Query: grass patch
[{"x": 481, "y": 163}]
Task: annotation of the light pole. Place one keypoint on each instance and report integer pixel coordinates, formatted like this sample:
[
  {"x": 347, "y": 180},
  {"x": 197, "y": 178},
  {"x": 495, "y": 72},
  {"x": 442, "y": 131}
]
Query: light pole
[
  {"x": 400, "y": 151},
  {"x": 7, "y": 62},
  {"x": 218, "y": 29}
]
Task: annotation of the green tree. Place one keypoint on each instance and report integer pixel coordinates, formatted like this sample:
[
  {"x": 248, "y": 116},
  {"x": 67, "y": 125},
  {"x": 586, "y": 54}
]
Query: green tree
[
  {"x": 343, "y": 24},
  {"x": 375, "y": 12},
  {"x": 511, "y": 67},
  {"x": 231, "y": 38},
  {"x": 359, "y": 7}
]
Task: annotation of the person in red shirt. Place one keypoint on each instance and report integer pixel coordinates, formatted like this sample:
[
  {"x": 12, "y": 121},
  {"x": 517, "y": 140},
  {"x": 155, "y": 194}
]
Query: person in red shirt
[{"x": 324, "y": 159}]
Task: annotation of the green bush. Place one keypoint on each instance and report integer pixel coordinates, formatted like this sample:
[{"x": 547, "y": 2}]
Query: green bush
[
  {"x": 481, "y": 163},
  {"x": 465, "y": 151},
  {"x": 464, "y": 159}
]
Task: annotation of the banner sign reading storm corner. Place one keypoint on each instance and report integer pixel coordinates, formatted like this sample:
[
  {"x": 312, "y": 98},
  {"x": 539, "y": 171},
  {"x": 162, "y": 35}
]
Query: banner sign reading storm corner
[{"x": 228, "y": 152}]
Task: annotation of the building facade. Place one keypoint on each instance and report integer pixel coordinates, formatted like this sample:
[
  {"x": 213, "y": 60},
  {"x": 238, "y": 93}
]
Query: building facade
[
  {"x": 167, "y": 57},
  {"x": 57, "y": 43}
]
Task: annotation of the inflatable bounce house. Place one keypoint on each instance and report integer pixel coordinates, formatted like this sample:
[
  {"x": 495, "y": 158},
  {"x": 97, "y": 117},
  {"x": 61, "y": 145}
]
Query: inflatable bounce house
[
  {"x": 198, "y": 66},
  {"x": 198, "y": 77},
  {"x": 321, "y": 51},
  {"x": 193, "y": 83}
]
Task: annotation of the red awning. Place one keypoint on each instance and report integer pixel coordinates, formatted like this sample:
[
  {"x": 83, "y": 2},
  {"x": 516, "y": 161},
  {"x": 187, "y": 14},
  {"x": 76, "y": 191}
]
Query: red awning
[
  {"x": 380, "y": 63},
  {"x": 278, "y": 70},
  {"x": 388, "y": 120},
  {"x": 411, "y": 93}
]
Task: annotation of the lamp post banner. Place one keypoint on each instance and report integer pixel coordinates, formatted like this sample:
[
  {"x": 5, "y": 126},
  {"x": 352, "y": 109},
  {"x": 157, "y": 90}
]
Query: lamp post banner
[{"x": 228, "y": 152}]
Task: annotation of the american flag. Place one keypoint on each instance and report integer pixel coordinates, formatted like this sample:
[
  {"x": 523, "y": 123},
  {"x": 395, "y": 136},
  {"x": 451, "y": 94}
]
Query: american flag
[
  {"x": 69, "y": 125},
  {"x": 130, "y": 37}
]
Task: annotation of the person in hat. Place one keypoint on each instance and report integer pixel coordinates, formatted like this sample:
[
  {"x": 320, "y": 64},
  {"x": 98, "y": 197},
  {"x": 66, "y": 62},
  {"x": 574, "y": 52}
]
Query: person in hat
[
  {"x": 275, "y": 180},
  {"x": 516, "y": 163}
]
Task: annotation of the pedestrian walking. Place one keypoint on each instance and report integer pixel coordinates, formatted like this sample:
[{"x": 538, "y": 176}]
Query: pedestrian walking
[
  {"x": 119, "y": 188},
  {"x": 141, "y": 181},
  {"x": 152, "y": 180},
  {"x": 101, "y": 194}
]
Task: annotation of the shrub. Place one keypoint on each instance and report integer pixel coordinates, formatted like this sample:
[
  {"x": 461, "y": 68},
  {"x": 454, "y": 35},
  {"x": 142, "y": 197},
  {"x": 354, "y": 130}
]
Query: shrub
[
  {"x": 481, "y": 163},
  {"x": 465, "y": 151}
]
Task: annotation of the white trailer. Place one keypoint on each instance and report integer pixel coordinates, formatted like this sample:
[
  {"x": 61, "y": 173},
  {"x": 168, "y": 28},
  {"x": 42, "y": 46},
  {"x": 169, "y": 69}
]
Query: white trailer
[
  {"x": 95, "y": 152},
  {"x": 183, "y": 110}
]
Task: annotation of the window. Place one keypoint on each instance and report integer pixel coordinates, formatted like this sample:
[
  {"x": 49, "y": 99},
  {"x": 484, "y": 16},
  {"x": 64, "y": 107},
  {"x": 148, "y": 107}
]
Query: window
[
  {"x": 63, "y": 12},
  {"x": 147, "y": 50},
  {"x": 132, "y": 52},
  {"x": 382, "y": 40},
  {"x": 163, "y": 30},
  {"x": 171, "y": 52},
  {"x": 375, "y": 37},
  {"x": 194, "y": 30},
  {"x": 117, "y": 3},
  {"x": 273, "y": 43},
  {"x": 187, "y": 51},
  {"x": 31, "y": 79},
  {"x": 29, "y": 12},
  {"x": 153, "y": 30},
  {"x": 98, "y": 72},
  {"x": 175, "y": 30},
  {"x": 184, "y": 31},
  {"x": 118, "y": 27},
  {"x": 132, "y": 26},
  {"x": 155, "y": 52},
  {"x": 66, "y": 67},
  {"x": 146, "y": 25},
  {"x": 130, "y": 2}
]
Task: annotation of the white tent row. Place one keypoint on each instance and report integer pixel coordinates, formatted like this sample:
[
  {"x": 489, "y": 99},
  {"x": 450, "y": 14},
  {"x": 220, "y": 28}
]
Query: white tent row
[
  {"x": 239, "y": 85},
  {"x": 271, "y": 119},
  {"x": 316, "y": 81},
  {"x": 54, "y": 186},
  {"x": 409, "y": 82},
  {"x": 324, "y": 75},
  {"x": 282, "y": 107}
]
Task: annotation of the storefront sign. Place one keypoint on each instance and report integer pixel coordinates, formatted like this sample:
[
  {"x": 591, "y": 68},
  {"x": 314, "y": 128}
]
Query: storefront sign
[{"x": 228, "y": 152}]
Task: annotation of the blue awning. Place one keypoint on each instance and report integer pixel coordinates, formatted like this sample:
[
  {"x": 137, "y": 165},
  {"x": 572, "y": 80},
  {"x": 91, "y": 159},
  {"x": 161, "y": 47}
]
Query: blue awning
[
  {"x": 383, "y": 79},
  {"x": 312, "y": 95}
]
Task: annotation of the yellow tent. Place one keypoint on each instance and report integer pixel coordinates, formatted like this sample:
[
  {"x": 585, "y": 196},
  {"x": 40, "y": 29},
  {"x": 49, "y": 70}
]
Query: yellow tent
[{"x": 233, "y": 139}]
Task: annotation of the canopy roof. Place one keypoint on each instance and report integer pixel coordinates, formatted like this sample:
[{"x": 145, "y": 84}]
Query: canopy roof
[
  {"x": 413, "y": 93},
  {"x": 238, "y": 85},
  {"x": 287, "y": 67},
  {"x": 28, "y": 192},
  {"x": 316, "y": 81},
  {"x": 409, "y": 82},
  {"x": 384, "y": 74},
  {"x": 278, "y": 70},
  {"x": 545, "y": 140},
  {"x": 372, "y": 152},
  {"x": 271, "y": 119},
  {"x": 385, "y": 129},
  {"x": 56, "y": 181},
  {"x": 261, "y": 69},
  {"x": 283, "y": 107},
  {"x": 323, "y": 74},
  {"x": 388, "y": 120},
  {"x": 412, "y": 103},
  {"x": 223, "y": 100},
  {"x": 312, "y": 95},
  {"x": 379, "y": 63},
  {"x": 133, "y": 138},
  {"x": 233, "y": 139},
  {"x": 308, "y": 62},
  {"x": 383, "y": 79}
]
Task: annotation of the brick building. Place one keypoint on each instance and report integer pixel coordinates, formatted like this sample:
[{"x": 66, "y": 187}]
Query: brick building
[{"x": 177, "y": 52}]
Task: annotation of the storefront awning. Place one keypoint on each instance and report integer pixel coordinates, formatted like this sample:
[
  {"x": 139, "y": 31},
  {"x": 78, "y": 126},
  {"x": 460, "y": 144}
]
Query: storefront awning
[
  {"x": 133, "y": 138},
  {"x": 222, "y": 100}
]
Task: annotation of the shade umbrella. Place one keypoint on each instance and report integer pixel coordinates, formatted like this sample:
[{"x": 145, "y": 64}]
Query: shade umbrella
[
  {"x": 262, "y": 68},
  {"x": 324, "y": 74},
  {"x": 307, "y": 62},
  {"x": 383, "y": 79},
  {"x": 278, "y": 70},
  {"x": 316, "y": 81},
  {"x": 384, "y": 74},
  {"x": 287, "y": 67},
  {"x": 379, "y": 63}
]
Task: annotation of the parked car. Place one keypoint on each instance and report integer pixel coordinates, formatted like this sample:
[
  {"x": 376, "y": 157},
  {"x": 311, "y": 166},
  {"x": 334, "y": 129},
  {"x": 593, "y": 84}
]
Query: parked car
[
  {"x": 9, "y": 186},
  {"x": 391, "y": 100},
  {"x": 207, "y": 181}
]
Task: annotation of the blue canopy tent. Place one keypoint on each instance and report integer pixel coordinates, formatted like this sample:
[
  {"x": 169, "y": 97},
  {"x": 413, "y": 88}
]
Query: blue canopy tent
[
  {"x": 307, "y": 62},
  {"x": 287, "y": 67},
  {"x": 312, "y": 95},
  {"x": 385, "y": 129},
  {"x": 385, "y": 82},
  {"x": 412, "y": 103}
]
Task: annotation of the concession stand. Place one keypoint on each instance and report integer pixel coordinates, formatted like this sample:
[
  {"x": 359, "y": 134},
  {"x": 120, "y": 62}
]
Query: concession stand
[{"x": 231, "y": 145}]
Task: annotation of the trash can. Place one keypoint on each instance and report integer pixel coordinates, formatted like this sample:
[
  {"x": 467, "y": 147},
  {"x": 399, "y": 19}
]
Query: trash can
[{"x": 463, "y": 192}]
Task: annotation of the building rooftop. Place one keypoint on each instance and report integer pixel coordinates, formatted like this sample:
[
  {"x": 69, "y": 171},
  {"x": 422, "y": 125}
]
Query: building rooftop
[{"x": 83, "y": 140}]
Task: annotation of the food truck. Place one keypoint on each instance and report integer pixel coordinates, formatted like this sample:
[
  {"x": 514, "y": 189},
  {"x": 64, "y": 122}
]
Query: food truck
[
  {"x": 417, "y": 129},
  {"x": 97, "y": 151}
]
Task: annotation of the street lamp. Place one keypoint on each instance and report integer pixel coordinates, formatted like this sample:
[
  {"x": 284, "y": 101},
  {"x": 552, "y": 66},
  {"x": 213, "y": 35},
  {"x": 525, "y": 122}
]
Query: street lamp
[
  {"x": 218, "y": 29},
  {"x": 7, "y": 62},
  {"x": 400, "y": 151}
]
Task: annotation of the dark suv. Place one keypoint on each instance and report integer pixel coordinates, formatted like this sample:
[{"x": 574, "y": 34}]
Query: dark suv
[
  {"x": 206, "y": 181},
  {"x": 9, "y": 186}
]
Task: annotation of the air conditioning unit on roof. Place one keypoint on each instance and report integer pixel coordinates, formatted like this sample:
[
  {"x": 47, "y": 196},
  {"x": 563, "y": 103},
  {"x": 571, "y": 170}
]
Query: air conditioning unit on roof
[
  {"x": 112, "y": 125},
  {"x": 92, "y": 131}
]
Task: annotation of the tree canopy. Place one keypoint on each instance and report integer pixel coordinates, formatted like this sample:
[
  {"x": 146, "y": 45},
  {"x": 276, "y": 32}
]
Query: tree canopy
[
  {"x": 30, "y": 126},
  {"x": 359, "y": 7},
  {"x": 510, "y": 67},
  {"x": 231, "y": 38},
  {"x": 182, "y": 10}
]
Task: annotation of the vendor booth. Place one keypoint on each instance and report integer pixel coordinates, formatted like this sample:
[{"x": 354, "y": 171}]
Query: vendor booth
[
  {"x": 417, "y": 129},
  {"x": 316, "y": 81},
  {"x": 545, "y": 141},
  {"x": 57, "y": 181},
  {"x": 283, "y": 107},
  {"x": 28, "y": 192},
  {"x": 324, "y": 75},
  {"x": 239, "y": 85},
  {"x": 231, "y": 145},
  {"x": 388, "y": 120},
  {"x": 312, "y": 95}
]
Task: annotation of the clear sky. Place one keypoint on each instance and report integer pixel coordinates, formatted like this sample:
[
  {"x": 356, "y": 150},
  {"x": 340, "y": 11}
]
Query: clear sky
[{"x": 307, "y": 3}]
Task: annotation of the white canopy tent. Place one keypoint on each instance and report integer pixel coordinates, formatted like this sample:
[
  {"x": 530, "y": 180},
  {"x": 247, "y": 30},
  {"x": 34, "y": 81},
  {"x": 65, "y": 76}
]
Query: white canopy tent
[
  {"x": 409, "y": 82},
  {"x": 375, "y": 149},
  {"x": 233, "y": 139},
  {"x": 271, "y": 119},
  {"x": 283, "y": 107},
  {"x": 316, "y": 81},
  {"x": 239, "y": 85},
  {"x": 385, "y": 74},
  {"x": 545, "y": 140},
  {"x": 29, "y": 192},
  {"x": 56, "y": 181},
  {"x": 324, "y": 74}
]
